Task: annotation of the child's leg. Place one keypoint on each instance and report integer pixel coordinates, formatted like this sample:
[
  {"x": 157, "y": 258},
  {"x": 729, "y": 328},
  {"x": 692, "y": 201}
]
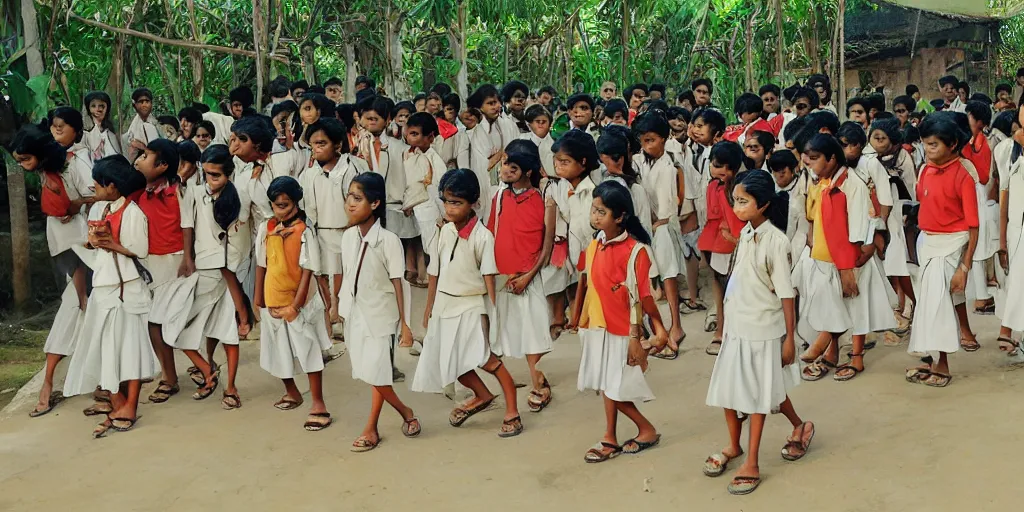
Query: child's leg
[
  {"x": 732, "y": 420},
  {"x": 718, "y": 284},
  {"x": 645, "y": 430},
  {"x": 421, "y": 259},
  {"x": 907, "y": 287},
  {"x": 205, "y": 368},
  {"x": 316, "y": 391},
  {"x": 164, "y": 354},
  {"x": 80, "y": 278},
  {"x": 675, "y": 333},
  {"x": 750, "y": 467},
  {"x": 44, "y": 393},
  {"x": 965, "y": 323},
  {"x": 324, "y": 286},
  {"x": 475, "y": 384},
  {"x": 787, "y": 410},
  {"x": 291, "y": 390},
  {"x": 232, "y": 356},
  {"x": 856, "y": 365},
  {"x": 495, "y": 367},
  {"x": 536, "y": 376},
  {"x": 211, "y": 347},
  {"x": 128, "y": 397},
  {"x": 410, "y": 256},
  {"x": 692, "y": 268},
  {"x": 383, "y": 394},
  {"x": 556, "y": 302}
]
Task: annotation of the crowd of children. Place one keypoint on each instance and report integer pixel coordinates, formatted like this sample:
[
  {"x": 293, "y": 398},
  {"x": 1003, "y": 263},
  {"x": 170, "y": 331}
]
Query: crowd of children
[{"x": 316, "y": 217}]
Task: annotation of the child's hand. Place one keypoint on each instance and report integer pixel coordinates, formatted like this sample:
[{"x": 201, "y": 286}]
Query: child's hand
[
  {"x": 67, "y": 218},
  {"x": 518, "y": 284},
  {"x": 405, "y": 339},
  {"x": 788, "y": 350},
  {"x": 1004, "y": 260},
  {"x": 959, "y": 281},
  {"x": 849, "y": 280},
  {"x": 636, "y": 356},
  {"x": 187, "y": 267},
  {"x": 407, "y": 212},
  {"x": 426, "y": 318},
  {"x": 866, "y": 252},
  {"x": 289, "y": 313},
  {"x": 138, "y": 144}
]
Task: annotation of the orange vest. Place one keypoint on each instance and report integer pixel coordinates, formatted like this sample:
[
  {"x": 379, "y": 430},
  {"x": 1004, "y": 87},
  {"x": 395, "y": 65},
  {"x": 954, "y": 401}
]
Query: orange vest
[{"x": 283, "y": 271}]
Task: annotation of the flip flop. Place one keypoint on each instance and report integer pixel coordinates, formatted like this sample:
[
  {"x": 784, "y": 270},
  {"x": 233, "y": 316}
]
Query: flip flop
[
  {"x": 204, "y": 393},
  {"x": 817, "y": 370},
  {"x": 315, "y": 426},
  {"x": 363, "y": 445},
  {"x": 640, "y": 445},
  {"x": 988, "y": 309},
  {"x": 456, "y": 420},
  {"x": 713, "y": 348},
  {"x": 917, "y": 375},
  {"x": 541, "y": 402},
  {"x": 716, "y": 464},
  {"x": 96, "y": 409},
  {"x": 937, "y": 380},
  {"x": 667, "y": 354},
  {"x": 517, "y": 427},
  {"x": 234, "y": 403},
  {"x": 970, "y": 346},
  {"x": 130, "y": 423},
  {"x": 742, "y": 485},
  {"x": 596, "y": 453},
  {"x": 408, "y": 429},
  {"x": 55, "y": 398},
  {"x": 1013, "y": 348},
  {"x": 686, "y": 308},
  {"x": 847, "y": 366},
  {"x": 163, "y": 392},
  {"x": 286, "y": 403},
  {"x": 799, "y": 447}
]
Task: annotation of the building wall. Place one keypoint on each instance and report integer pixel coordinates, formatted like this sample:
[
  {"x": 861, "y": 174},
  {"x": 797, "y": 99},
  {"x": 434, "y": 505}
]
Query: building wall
[{"x": 929, "y": 65}]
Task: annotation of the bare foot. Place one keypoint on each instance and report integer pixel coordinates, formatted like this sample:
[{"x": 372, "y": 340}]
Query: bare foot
[
  {"x": 675, "y": 336},
  {"x": 44, "y": 398}
]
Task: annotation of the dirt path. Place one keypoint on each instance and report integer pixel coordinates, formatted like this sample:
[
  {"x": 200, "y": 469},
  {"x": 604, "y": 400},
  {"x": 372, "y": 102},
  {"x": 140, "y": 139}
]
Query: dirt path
[{"x": 882, "y": 444}]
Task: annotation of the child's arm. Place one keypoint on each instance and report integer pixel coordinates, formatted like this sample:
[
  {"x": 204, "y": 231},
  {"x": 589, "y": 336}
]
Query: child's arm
[
  {"x": 300, "y": 295},
  {"x": 257, "y": 299},
  {"x": 1004, "y": 222},
  {"x": 577, "y": 305},
  {"x": 188, "y": 260},
  {"x": 489, "y": 282},
  {"x": 959, "y": 281},
  {"x": 406, "y": 336},
  {"x": 431, "y": 293},
  {"x": 519, "y": 284},
  {"x": 660, "y": 334},
  {"x": 238, "y": 298},
  {"x": 788, "y": 344}
]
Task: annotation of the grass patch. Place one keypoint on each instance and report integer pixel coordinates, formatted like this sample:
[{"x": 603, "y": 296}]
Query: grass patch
[{"x": 21, "y": 355}]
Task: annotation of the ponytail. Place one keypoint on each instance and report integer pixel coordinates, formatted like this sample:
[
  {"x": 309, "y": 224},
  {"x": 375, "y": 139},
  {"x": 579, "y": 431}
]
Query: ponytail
[
  {"x": 227, "y": 206},
  {"x": 761, "y": 186},
  {"x": 617, "y": 199}
]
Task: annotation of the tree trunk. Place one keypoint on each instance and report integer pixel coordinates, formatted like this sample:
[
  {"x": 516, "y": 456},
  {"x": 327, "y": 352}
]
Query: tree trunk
[
  {"x": 258, "y": 29},
  {"x": 816, "y": 42},
  {"x": 504, "y": 66},
  {"x": 351, "y": 71},
  {"x": 837, "y": 43},
  {"x": 172, "y": 82},
  {"x": 696, "y": 43},
  {"x": 195, "y": 55},
  {"x": 749, "y": 40},
  {"x": 21, "y": 266},
  {"x": 780, "y": 66},
  {"x": 309, "y": 67},
  {"x": 841, "y": 22},
  {"x": 457, "y": 41},
  {"x": 624, "y": 41},
  {"x": 397, "y": 85}
]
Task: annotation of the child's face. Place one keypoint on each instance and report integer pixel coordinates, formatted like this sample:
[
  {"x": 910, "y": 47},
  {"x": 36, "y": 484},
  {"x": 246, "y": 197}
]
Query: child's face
[
  {"x": 702, "y": 132},
  {"x": 652, "y": 144},
  {"x": 450, "y": 114},
  {"x": 801, "y": 106},
  {"x": 702, "y": 94},
  {"x": 358, "y": 207},
  {"x": 541, "y": 126},
  {"x": 686, "y": 104},
  {"x": 215, "y": 177},
  {"x": 298, "y": 92},
  {"x": 936, "y": 151},
  {"x": 636, "y": 99},
  {"x": 335, "y": 93},
  {"x": 203, "y": 137},
  {"x": 962, "y": 93},
  {"x": 721, "y": 171},
  {"x": 147, "y": 165},
  {"x": 284, "y": 208},
  {"x": 857, "y": 114},
  {"x": 784, "y": 177},
  {"x": 98, "y": 110},
  {"x": 414, "y": 137},
  {"x": 614, "y": 165},
  {"x": 678, "y": 126},
  {"x": 106, "y": 193},
  {"x": 819, "y": 165},
  {"x": 770, "y": 101},
  {"x": 324, "y": 151},
  {"x": 469, "y": 119},
  {"x": 27, "y": 162},
  {"x": 749, "y": 117},
  {"x": 902, "y": 114},
  {"x": 308, "y": 113},
  {"x": 544, "y": 98},
  {"x": 616, "y": 118},
  {"x": 1003, "y": 96},
  {"x": 243, "y": 147},
  {"x": 745, "y": 206},
  {"x": 402, "y": 117},
  {"x": 456, "y": 209},
  {"x": 566, "y": 167},
  {"x": 144, "y": 106},
  {"x": 948, "y": 92},
  {"x": 236, "y": 109},
  {"x": 187, "y": 128},
  {"x": 655, "y": 95},
  {"x": 186, "y": 170},
  {"x": 880, "y": 142},
  {"x": 433, "y": 106},
  {"x": 603, "y": 219},
  {"x": 374, "y": 122},
  {"x": 518, "y": 102},
  {"x": 851, "y": 150},
  {"x": 63, "y": 133},
  {"x": 511, "y": 173},
  {"x": 754, "y": 150},
  {"x": 170, "y": 132},
  {"x": 491, "y": 108},
  {"x": 581, "y": 114},
  {"x": 420, "y": 105}
]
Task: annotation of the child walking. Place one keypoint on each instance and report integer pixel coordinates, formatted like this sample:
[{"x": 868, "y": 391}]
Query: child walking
[
  {"x": 524, "y": 232},
  {"x": 63, "y": 196},
  {"x": 372, "y": 263},
  {"x": 116, "y": 353},
  {"x": 287, "y": 257},
  {"x": 756, "y": 365},
  {"x": 1011, "y": 228},
  {"x": 613, "y": 294},
  {"x": 460, "y": 309}
]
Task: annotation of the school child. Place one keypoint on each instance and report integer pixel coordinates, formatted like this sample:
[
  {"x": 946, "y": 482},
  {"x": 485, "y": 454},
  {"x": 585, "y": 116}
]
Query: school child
[
  {"x": 523, "y": 224},
  {"x": 804, "y": 101},
  {"x": 979, "y": 152},
  {"x": 1004, "y": 99},
  {"x": 459, "y": 316},
  {"x": 114, "y": 352},
  {"x": 950, "y": 96},
  {"x": 634, "y": 96},
  {"x": 217, "y": 309},
  {"x": 948, "y": 220},
  {"x": 399, "y": 115},
  {"x": 423, "y": 167},
  {"x": 282, "y": 116},
  {"x": 845, "y": 287},
  {"x": 702, "y": 89},
  {"x": 66, "y": 127},
  {"x": 334, "y": 89},
  {"x": 617, "y": 112},
  {"x": 384, "y": 153},
  {"x": 886, "y": 139},
  {"x": 161, "y": 203},
  {"x": 143, "y": 127},
  {"x": 372, "y": 263},
  {"x": 539, "y": 120},
  {"x": 1011, "y": 190},
  {"x": 770, "y": 95},
  {"x": 312, "y": 107},
  {"x": 490, "y": 136},
  {"x": 188, "y": 120},
  {"x": 514, "y": 95},
  {"x": 616, "y": 149},
  {"x": 581, "y": 114},
  {"x": 100, "y": 137},
  {"x": 686, "y": 100},
  {"x": 756, "y": 150},
  {"x": 870, "y": 171},
  {"x": 63, "y": 194},
  {"x": 679, "y": 122},
  {"x": 205, "y": 133},
  {"x": 791, "y": 181},
  {"x": 612, "y": 293},
  {"x": 659, "y": 176},
  {"x": 748, "y": 108},
  {"x": 287, "y": 257},
  {"x": 721, "y": 232}
]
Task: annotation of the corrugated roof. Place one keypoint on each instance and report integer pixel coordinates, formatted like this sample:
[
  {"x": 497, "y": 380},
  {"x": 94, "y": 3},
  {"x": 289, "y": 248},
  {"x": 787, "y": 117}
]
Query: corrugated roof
[{"x": 991, "y": 9}]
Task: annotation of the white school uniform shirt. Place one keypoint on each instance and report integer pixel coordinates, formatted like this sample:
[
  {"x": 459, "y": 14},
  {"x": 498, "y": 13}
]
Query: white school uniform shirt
[
  {"x": 1001, "y": 154},
  {"x": 101, "y": 142},
  {"x": 547, "y": 157},
  {"x": 280, "y": 164},
  {"x": 641, "y": 203},
  {"x": 460, "y": 264},
  {"x": 786, "y": 118},
  {"x": 140, "y": 130},
  {"x": 797, "y": 204},
  {"x": 575, "y": 212},
  {"x": 221, "y": 125},
  {"x": 858, "y": 205},
  {"x": 957, "y": 106},
  {"x": 390, "y": 165},
  {"x": 309, "y": 255},
  {"x": 217, "y": 248},
  {"x": 324, "y": 192},
  {"x": 134, "y": 236},
  {"x": 1011, "y": 179},
  {"x": 702, "y": 167},
  {"x": 422, "y": 196},
  {"x": 81, "y": 161},
  {"x": 760, "y": 279},
  {"x": 682, "y": 157},
  {"x": 905, "y": 171},
  {"x": 62, "y": 236},
  {"x": 452, "y": 148},
  {"x": 373, "y": 260},
  {"x": 659, "y": 180},
  {"x": 873, "y": 173}
]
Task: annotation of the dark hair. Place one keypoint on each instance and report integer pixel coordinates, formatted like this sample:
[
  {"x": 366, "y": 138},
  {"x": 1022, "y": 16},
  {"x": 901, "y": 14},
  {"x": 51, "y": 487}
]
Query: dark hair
[
  {"x": 761, "y": 186},
  {"x": 451, "y": 100},
  {"x": 166, "y": 152},
  {"x": 425, "y": 122},
  {"x": 536, "y": 110},
  {"x": 279, "y": 88},
  {"x": 1004, "y": 122},
  {"x": 365, "y": 80},
  {"x": 620, "y": 142},
  {"x": 794, "y": 127},
  {"x": 322, "y": 103},
  {"x": 288, "y": 106},
  {"x": 285, "y": 185},
  {"x": 853, "y": 133},
  {"x": 828, "y": 146},
  {"x": 333, "y": 81},
  {"x": 403, "y": 105},
  {"x": 188, "y": 151},
  {"x": 547, "y": 89},
  {"x": 1004, "y": 87},
  {"x": 461, "y": 183},
  {"x": 703, "y": 81},
  {"x": 72, "y": 117},
  {"x": 891, "y": 129},
  {"x": 678, "y": 113},
  {"x": 661, "y": 105},
  {"x": 580, "y": 147},
  {"x": 259, "y": 129},
  {"x": 876, "y": 101},
  {"x": 765, "y": 139},
  {"x": 317, "y": 88},
  {"x": 944, "y": 127},
  {"x": 823, "y": 119},
  {"x": 578, "y": 97},
  {"x": 482, "y": 93},
  {"x": 441, "y": 89},
  {"x": 687, "y": 96},
  {"x": 882, "y": 114},
  {"x": 525, "y": 154},
  {"x": 191, "y": 115},
  {"x": 299, "y": 84},
  {"x": 653, "y": 121},
  {"x": 965, "y": 86},
  {"x": 201, "y": 107},
  {"x": 712, "y": 117},
  {"x": 824, "y": 81},
  {"x": 911, "y": 90},
  {"x": 346, "y": 113},
  {"x": 657, "y": 87},
  {"x": 372, "y": 185},
  {"x": 906, "y": 101},
  {"x": 783, "y": 160},
  {"x": 32, "y": 140},
  {"x": 862, "y": 101},
  {"x": 616, "y": 105},
  {"x": 208, "y": 126},
  {"x": 420, "y": 96},
  {"x": 105, "y": 98},
  {"x": 808, "y": 94},
  {"x": 616, "y": 198},
  {"x": 727, "y": 153},
  {"x": 140, "y": 93},
  {"x": 911, "y": 134},
  {"x": 228, "y": 205},
  {"x": 629, "y": 90},
  {"x": 380, "y": 105},
  {"x": 511, "y": 88},
  {"x": 982, "y": 97},
  {"x": 772, "y": 88},
  {"x": 116, "y": 170},
  {"x": 170, "y": 121},
  {"x": 980, "y": 111},
  {"x": 333, "y": 129},
  {"x": 241, "y": 94},
  {"x": 949, "y": 80},
  {"x": 748, "y": 103}
]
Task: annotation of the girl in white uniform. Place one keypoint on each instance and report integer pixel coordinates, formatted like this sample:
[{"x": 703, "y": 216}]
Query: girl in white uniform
[
  {"x": 287, "y": 256},
  {"x": 1011, "y": 243},
  {"x": 143, "y": 127},
  {"x": 613, "y": 294},
  {"x": 539, "y": 120},
  {"x": 64, "y": 193},
  {"x": 423, "y": 167},
  {"x": 371, "y": 302},
  {"x": 459, "y": 317},
  {"x": 115, "y": 352},
  {"x": 100, "y": 137},
  {"x": 757, "y": 366},
  {"x": 66, "y": 128}
]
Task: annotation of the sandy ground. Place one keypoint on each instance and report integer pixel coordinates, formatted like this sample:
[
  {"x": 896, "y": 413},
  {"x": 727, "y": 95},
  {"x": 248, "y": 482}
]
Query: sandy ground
[{"x": 881, "y": 444}]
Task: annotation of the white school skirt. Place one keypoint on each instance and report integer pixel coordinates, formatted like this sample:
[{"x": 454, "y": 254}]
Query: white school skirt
[
  {"x": 665, "y": 243},
  {"x": 555, "y": 279},
  {"x": 823, "y": 304},
  {"x": 802, "y": 270},
  {"x": 329, "y": 240},
  {"x": 426, "y": 215},
  {"x": 282, "y": 342},
  {"x": 370, "y": 355},
  {"x": 749, "y": 377},
  {"x": 896, "y": 252},
  {"x": 936, "y": 326},
  {"x": 523, "y": 322},
  {"x": 452, "y": 347},
  {"x": 603, "y": 368},
  {"x": 988, "y": 225},
  {"x": 211, "y": 314},
  {"x": 871, "y": 309},
  {"x": 246, "y": 275},
  {"x": 114, "y": 344},
  {"x": 67, "y": 324},
  {"x": 1011, "y": 300},
  {"x": 399, "y": 224}
]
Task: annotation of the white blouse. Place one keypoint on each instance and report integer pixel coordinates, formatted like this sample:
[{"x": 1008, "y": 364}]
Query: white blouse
[
  {"x": 324, "y": 192},
  {"x": 134, "y": 236},
  {"x": 760, "y": 280},
  {"x": 460, "y": 265},
  {"x": 369, "y": 264}
]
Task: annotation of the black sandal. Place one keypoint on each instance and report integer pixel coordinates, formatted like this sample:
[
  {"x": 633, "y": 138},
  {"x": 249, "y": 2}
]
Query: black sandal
[
  {"x": 204, "y": 392},
  {"x": 129, "y": 421},
  {"x": 456, "y": 420},
  {"x": 312, "y": 425},
  {"x": 163, "y": 392},
  {"x": 1014, "y": 346},
  {"x": 640, "y": 445},
  {"x": 235, "y": 401}
]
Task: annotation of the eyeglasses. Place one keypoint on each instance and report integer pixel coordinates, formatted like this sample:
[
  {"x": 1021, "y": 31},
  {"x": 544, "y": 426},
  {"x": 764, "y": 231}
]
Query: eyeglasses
[
  {"x": 609, "y": 90},
  {"x": 858, "y": 112},
  {"x": 202, "y": 135}
]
